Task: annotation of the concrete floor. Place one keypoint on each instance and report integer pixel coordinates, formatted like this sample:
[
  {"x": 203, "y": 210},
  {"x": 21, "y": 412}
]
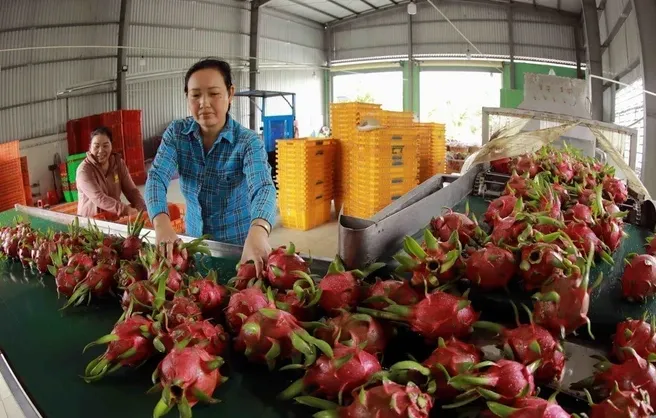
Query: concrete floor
[{"x": 320, "y": 241}]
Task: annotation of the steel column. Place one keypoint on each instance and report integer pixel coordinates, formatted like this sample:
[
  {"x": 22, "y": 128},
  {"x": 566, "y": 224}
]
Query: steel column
[
  {"x": 593, "y": 42},
  {"x": 511, "y": 46},
  {"x": 122, "y": 60},
  {"x": 252, "y": 61},
  {"x": 645, "y": 11}
]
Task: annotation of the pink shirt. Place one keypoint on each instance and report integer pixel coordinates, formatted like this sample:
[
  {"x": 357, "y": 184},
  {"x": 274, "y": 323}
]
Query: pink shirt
[{"x": 101, "y": 192}]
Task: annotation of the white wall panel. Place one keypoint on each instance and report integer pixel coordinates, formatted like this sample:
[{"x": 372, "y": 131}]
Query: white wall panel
[
  {"x": 544, "y": 34},
  {"x": 78, "y": 107},
  {"x": 21, "y": 13},
  {"x": 459, "y": 11},
  {"x": 189, "y": 14},
  {"x": 632, "y": 37},
  {"x": 161, "y": 101},
  {"x": 619, "y": 60}
]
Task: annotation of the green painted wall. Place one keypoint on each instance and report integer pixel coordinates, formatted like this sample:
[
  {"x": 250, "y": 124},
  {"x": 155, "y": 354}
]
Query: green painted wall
[{"x": 513, "y": 98}]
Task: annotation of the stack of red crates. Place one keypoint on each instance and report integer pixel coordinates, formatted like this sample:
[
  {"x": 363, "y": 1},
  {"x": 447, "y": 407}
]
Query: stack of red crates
[
  {"x": 13, "y": 192},
  {"x": 26, "y": 182},
  {"x": 127, "y": 138}
]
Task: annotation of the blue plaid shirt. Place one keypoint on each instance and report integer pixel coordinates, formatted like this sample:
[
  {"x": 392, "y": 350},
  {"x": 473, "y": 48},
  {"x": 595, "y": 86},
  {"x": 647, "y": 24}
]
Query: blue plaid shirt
[{"x": 224, "y": 189}]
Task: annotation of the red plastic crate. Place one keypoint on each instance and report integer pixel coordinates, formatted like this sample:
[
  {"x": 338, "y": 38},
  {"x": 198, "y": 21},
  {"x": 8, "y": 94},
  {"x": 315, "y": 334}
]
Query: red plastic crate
[
  {"x": 132, "y": 117},
  {"x": 96, "y": 121},
  {"x": 112, "y": 118},
  {"x": 139, "y": 177},
  {"x": 85, "y": 135},
  {"x": 132, "y": 130},
  {"x": 117, "y": 137},
  {"x": 73, "y": 135}
]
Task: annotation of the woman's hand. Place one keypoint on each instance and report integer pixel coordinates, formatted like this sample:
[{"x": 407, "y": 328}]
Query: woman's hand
[
  {"x": 164, "y": 231},
  {"x": 256, "y": 248}
]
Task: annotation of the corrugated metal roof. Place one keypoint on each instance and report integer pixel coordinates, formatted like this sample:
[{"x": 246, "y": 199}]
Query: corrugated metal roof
[{"x": 332, "y": 11}]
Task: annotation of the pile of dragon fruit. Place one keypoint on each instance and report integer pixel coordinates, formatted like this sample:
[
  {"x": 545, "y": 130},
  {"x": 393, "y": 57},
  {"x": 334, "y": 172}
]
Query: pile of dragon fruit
[{"x": 557, "y": 217}]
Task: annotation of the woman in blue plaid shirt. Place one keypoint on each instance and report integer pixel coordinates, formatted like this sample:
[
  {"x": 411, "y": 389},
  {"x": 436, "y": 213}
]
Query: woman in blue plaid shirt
[{"x": 224, "y": 173}]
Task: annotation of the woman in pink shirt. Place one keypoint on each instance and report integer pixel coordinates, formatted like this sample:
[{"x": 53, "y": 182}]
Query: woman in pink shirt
[{"x": 102, "y": 177}]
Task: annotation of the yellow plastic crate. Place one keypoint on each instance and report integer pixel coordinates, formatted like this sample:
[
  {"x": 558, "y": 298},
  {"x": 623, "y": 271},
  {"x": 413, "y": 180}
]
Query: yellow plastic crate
[{"x": 304, "y": 218}]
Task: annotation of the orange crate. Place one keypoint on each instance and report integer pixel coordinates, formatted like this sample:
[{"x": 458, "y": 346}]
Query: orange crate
[
  {"x": 13, "y": 192},
  {"x": 304, "y": 218},
  {"x": 9, "y": 151}
]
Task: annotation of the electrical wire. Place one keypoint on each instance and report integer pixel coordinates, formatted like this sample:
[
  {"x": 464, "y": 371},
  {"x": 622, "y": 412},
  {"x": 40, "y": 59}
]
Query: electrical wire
[{"x": 610, "y": 80}]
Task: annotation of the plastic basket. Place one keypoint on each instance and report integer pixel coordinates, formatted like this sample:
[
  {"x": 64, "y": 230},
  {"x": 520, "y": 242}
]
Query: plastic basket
[
  {"x": 72, "y": 163},
  {"x": 304, "y": 218}
]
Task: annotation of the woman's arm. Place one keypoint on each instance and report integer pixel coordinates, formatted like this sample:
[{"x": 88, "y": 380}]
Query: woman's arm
[
  {"x": 261, "y": 189},
  {"x": 128, "y": 187},
  {"x": 159, "y": 177},
  {"x": 87, "y": 186}
]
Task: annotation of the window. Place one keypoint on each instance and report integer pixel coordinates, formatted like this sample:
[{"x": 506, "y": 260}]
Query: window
[
  {"x": 630, "y": 112},
  {"x": 384, "y": 88},
  {"x": 456, "y": 99}
]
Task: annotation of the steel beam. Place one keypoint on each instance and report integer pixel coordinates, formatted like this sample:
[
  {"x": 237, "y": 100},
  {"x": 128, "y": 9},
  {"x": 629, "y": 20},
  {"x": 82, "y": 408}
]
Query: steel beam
[
  {"x": 645, "y": 11},
  {"x": 315, "y": 9},
  {"x": 618, "y": 25},
  {"x": 252, "y": 61},
  {"x": 348, "y": 9},
  {"x": 565, "y": 17},
  {"x": 122, "y": 61},
  {"x": 593, "y": 42},
  {"x": 411, "y": 67},
  {"x": 579, "y": 51}
]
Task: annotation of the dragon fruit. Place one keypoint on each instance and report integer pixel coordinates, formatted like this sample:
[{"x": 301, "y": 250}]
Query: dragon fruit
[
  {"x": 539, "y": 262},
  {"x": 637, "y": 334},
  {"x": 348, "y": 328},
  {"x": 615, "y": 190},
  {"x": 162, "y": 270},
  {"x": 502, "y": 165},
  {"x": 389, "y": 400},
  {"x": 610, "y": 230},
  {"x": 500, "y": 208},
  {"x": 562, "y": 304},
  {"x": 639, "y": 277},
  {"x": 186, "y": 376},
  {"x": 283, "y": 263},
  {"x": 503, "y": 382},
  {"x": 451, "y": 358},
  {"x": 583, "y": 238},
  {"x": 25, "y": 247},
  {"x": 300, "y": 302},
  {"x": 579, "y": 213},
  {"x": 41, "y": 254},
  {"x": 633, "y": 403},
  {"x": 272, "y": 334},
  {"x": 634, "y": 372},
  {"x": 491, "y": 267},
  {"x": 139, "y": 297},
  {"x": 180, "y": 310},
  {"x": 201, "y": 334},
  {"x": 243, "y": 304},
  {"x": 525, "y": 164},
  {"x": 81, "y": 259},
  {"x": 66, "y": 278},
  {"x": 181, "y": 255},
  {"x": 389, "y": 292},
  {"x": 106, "y": 255},
  {"x": 246, "y": 276},
  {"x": 529, "y": 407},
  {"x": 510, "y": 231},
  {"x": 131, "y": 272},
  {"x": 210, "y": 296},
  {"x": 435, "y": 262},
  {"x": 340, "y": 289},
  {"x": 130, "y": 344},
  {"x": 348, "y": 368},
  {"x": 562, "y": 192},
  {"x": 440, "y": 314},
  {"x": 467, "y": 229},
  {"x": 529, "y": 343},
  {"x": 130, "y": 247},
  {"x": 98, "y": 282}
]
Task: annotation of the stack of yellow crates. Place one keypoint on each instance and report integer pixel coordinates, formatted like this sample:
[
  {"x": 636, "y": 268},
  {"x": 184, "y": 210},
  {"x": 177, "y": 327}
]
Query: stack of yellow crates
[
  {"x": 344, "y": 121},
  {"x": 397, "y": 119},
  {"x": 384, "y": 166},
  {"x": 438, "y": 149},
  {"x": 305, "y": 181},
  {"x": 425, "y": 134}
]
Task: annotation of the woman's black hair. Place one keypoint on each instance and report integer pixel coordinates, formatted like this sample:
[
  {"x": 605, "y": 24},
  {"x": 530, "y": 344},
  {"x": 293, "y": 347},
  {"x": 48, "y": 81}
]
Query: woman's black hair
[
  {"x": 210, "y": 63},
  {"x": 102, "y": 130}
]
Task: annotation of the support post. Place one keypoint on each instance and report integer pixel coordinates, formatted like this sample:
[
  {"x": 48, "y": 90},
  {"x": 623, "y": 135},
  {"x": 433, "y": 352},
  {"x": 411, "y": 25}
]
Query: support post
[
  {"x": 511, "y": 45},
  {"x": 645, "y": 11},
  {"x": 252, "y": 60},
  {"x": 328, "y": 76},
  {"x": 593, "y": 41},
  {"x": 122, "y": 56},
  {"x": 579, "y": 52},
  {"x": 411, "y": 68}
]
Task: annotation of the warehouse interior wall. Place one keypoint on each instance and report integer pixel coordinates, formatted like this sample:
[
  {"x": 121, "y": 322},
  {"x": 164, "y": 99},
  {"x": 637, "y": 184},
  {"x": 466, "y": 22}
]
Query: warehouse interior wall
[
  {"x": 620, "y": 42},
  {"x": 59, "y": 45}
]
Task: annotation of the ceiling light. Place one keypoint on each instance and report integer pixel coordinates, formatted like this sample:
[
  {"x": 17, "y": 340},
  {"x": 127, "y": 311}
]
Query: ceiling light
[
  {"x": 412, "y": 8},
  {"x": 468, "y": 54},
  {"x": 142, "y": 62}
]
